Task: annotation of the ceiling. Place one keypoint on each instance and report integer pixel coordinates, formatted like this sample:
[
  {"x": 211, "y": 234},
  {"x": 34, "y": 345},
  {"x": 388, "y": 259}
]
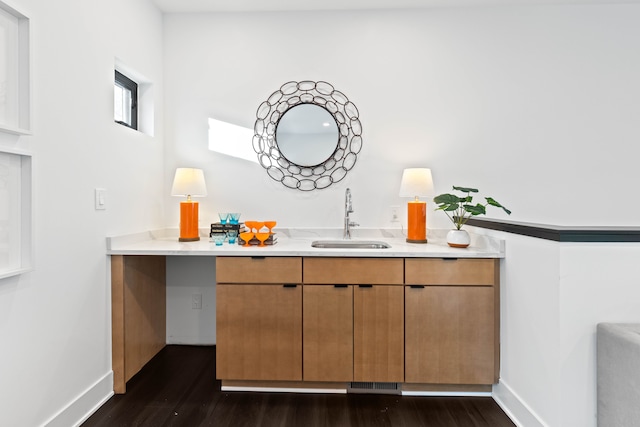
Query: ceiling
[{"x": 180, "y": 6}]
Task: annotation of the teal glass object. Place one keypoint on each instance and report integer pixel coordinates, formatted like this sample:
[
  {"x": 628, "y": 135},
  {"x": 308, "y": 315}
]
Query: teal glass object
[
  {"x": 231, "y": 236},
  {"x": 218, "y": 238},
  {"x": 223, "y": 217},
  {"x": 234, "y": 218}
]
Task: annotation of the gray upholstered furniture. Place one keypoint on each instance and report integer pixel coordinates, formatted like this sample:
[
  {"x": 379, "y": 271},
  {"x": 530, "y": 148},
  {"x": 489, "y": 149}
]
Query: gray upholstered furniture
[{"x": 618, "y": 374}]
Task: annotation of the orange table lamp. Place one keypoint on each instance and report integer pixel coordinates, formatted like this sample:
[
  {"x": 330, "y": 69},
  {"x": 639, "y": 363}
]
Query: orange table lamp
[
  {"x": 416, "y": 182},
  {"x": 189, "y": 182}
]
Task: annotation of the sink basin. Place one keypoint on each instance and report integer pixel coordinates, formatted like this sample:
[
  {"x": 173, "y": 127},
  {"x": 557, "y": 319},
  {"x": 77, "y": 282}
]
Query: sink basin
[{"x": 350, "y": 244}]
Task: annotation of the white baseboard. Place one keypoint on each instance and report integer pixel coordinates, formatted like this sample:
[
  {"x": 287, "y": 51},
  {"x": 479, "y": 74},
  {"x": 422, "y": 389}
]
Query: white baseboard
[
  {"x": 515, "y": 407},
  {"x": 286, "y": 390},
  {"x": 85, "y": 404},
  {"x": 447, "y": 393},
  {"x": 191, "y": 340}
]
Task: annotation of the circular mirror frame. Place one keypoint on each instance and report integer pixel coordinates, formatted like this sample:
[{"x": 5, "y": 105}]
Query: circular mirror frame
[{"x": 336, "y": 166}]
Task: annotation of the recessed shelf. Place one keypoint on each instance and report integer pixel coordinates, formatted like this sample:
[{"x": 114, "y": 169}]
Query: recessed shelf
[
  {"x": 13, "y": 130},
  {"x": 15, "y": 72},
  {"x": 16, "y": 237}
]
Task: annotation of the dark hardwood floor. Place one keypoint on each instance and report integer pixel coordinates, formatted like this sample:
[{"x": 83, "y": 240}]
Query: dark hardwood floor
[{"x": 178, "y": 388}]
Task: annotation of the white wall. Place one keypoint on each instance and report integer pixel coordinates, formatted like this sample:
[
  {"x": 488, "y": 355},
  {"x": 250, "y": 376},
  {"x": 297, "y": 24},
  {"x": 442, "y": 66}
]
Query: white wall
[
  {"x": 55, "y": 361},
  {"x": 553, "y": 296},
  {"x": 529, "y": 328},
  {"x": 537, "y": 106},
  {"x": 187, "y": 276}
]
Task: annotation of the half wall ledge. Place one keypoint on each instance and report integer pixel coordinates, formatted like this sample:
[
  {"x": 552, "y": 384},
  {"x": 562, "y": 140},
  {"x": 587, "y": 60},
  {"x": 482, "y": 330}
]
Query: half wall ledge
[{"x": 595, "y": 234}]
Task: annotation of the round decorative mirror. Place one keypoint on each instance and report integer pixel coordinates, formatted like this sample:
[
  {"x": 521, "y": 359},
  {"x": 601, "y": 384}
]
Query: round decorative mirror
[{"x": 307, "y": 135}]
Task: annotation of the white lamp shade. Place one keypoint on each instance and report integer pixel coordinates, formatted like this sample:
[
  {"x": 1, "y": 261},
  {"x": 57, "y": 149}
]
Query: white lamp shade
[
  {"x": 189, "y": 182},
  {"x": 416, "y": 182}
]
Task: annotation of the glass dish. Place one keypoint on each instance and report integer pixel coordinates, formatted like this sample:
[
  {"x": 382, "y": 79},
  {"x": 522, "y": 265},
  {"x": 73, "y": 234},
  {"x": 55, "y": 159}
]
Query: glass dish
[
  {"x": 234, "y": 217},
  {"x": 219, "y": 238},
  {"x": 246, "y": 236}
]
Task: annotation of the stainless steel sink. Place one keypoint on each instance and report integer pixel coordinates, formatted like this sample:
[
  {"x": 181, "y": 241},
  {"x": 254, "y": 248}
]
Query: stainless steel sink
[{"x": 350, "y": 244}]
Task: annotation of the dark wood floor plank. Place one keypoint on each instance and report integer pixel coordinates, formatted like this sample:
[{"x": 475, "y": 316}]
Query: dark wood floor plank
[{"x": 177, "y": 388}]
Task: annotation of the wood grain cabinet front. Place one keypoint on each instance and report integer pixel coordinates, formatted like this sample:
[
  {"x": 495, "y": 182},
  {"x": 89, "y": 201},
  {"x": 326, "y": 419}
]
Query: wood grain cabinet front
[
  {"x": 259, "y": 270},
  {"x": 378, "y": 333},
  {"x": 420, "y": 321},
  {"x": 451, "y": 321},
  {"x": 259, "y": 323},
  {"x": 327, "y": 332},
  {"x": 353, "y": 319}
]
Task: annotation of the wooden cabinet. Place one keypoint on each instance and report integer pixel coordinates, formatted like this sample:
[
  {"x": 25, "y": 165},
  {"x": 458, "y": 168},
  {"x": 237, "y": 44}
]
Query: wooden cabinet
[
  {"x": 138, "y": 314},
  {"x": 259, "y": 323},
  {"x": 423, "y": 321},
  {"x": 451, "y": 329},
  {"x": 353, "y": 319}
]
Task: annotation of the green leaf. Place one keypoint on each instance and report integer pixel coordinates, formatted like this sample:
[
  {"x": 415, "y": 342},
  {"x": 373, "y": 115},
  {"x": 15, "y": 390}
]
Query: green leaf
[
  {"x": 495, "y": 203},
  {"x": 465, "y": 189},
  {"x": 446, "y": 199},
  {"x": 478, "y": 209}
]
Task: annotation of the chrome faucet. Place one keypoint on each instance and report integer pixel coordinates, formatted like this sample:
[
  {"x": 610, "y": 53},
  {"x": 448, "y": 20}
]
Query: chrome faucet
[{"x": 348, "y": 208}]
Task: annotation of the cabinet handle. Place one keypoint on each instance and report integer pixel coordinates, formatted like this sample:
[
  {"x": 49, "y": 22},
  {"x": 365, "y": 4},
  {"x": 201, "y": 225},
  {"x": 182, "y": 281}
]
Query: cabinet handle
[
  {"x": 340, "y": 286},
  {"x": 366, "y": 286},
  {"x": 258, "y": 257},
  {"x": 416, "y": 286},
  {"x": 289, "y": 285},
  {"x": 449, "y": 259}
]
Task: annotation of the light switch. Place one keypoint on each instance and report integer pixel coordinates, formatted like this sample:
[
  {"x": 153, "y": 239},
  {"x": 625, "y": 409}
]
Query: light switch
[{"x": 101, "y": 198}]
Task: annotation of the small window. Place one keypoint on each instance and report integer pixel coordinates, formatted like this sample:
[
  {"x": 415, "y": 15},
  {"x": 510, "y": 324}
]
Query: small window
[{"x": 125, "y": 106}]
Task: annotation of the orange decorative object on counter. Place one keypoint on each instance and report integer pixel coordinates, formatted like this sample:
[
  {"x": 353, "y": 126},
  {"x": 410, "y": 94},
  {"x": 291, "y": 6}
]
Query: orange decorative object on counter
[
  {"x": 189, "y": 221},
  {"x": 417, "y": 222},
  {"x": 270, "y": 225},
  {"x": 262, "y": 237},
  {"x": 246, "y": 236}
]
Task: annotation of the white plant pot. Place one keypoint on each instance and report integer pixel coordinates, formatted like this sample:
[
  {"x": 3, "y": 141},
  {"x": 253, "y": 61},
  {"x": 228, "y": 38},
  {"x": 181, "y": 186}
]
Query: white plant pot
[{"x": 458, "y": 238}]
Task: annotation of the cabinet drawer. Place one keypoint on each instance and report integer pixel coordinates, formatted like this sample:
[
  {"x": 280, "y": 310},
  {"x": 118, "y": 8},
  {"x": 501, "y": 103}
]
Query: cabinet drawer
[
  {"x": 458, "y": 271},
  {"x": 259, "y": 269},
  {"x": 354, "y": 271}
]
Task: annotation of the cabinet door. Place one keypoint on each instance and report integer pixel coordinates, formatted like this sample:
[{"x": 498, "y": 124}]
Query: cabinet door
[
  {"x": 378, "y": 333},
  {"x": 259, "y": 332},
  {"x": 328, "y": 332},
  {"x": 449, "y": 334}
]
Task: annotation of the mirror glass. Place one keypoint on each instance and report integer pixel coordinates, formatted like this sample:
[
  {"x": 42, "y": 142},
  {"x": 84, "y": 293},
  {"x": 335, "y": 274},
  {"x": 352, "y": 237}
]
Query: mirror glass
[{"x": 307, "y": 135}]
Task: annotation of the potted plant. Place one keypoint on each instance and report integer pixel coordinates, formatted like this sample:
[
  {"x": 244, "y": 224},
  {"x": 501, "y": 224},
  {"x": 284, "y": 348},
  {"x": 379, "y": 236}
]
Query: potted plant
[{"x": 459, "y": 209}]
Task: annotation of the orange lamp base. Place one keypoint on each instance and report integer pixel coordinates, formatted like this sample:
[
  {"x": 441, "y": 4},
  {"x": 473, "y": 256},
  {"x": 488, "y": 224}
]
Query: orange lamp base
[
  {"x": 189, "y": 221},
  {"x": 416, "y": 222}
]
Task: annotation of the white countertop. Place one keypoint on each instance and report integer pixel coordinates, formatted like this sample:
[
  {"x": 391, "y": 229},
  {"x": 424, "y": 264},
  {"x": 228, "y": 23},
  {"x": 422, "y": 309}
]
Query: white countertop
[{"x": 297, "y": 242}]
